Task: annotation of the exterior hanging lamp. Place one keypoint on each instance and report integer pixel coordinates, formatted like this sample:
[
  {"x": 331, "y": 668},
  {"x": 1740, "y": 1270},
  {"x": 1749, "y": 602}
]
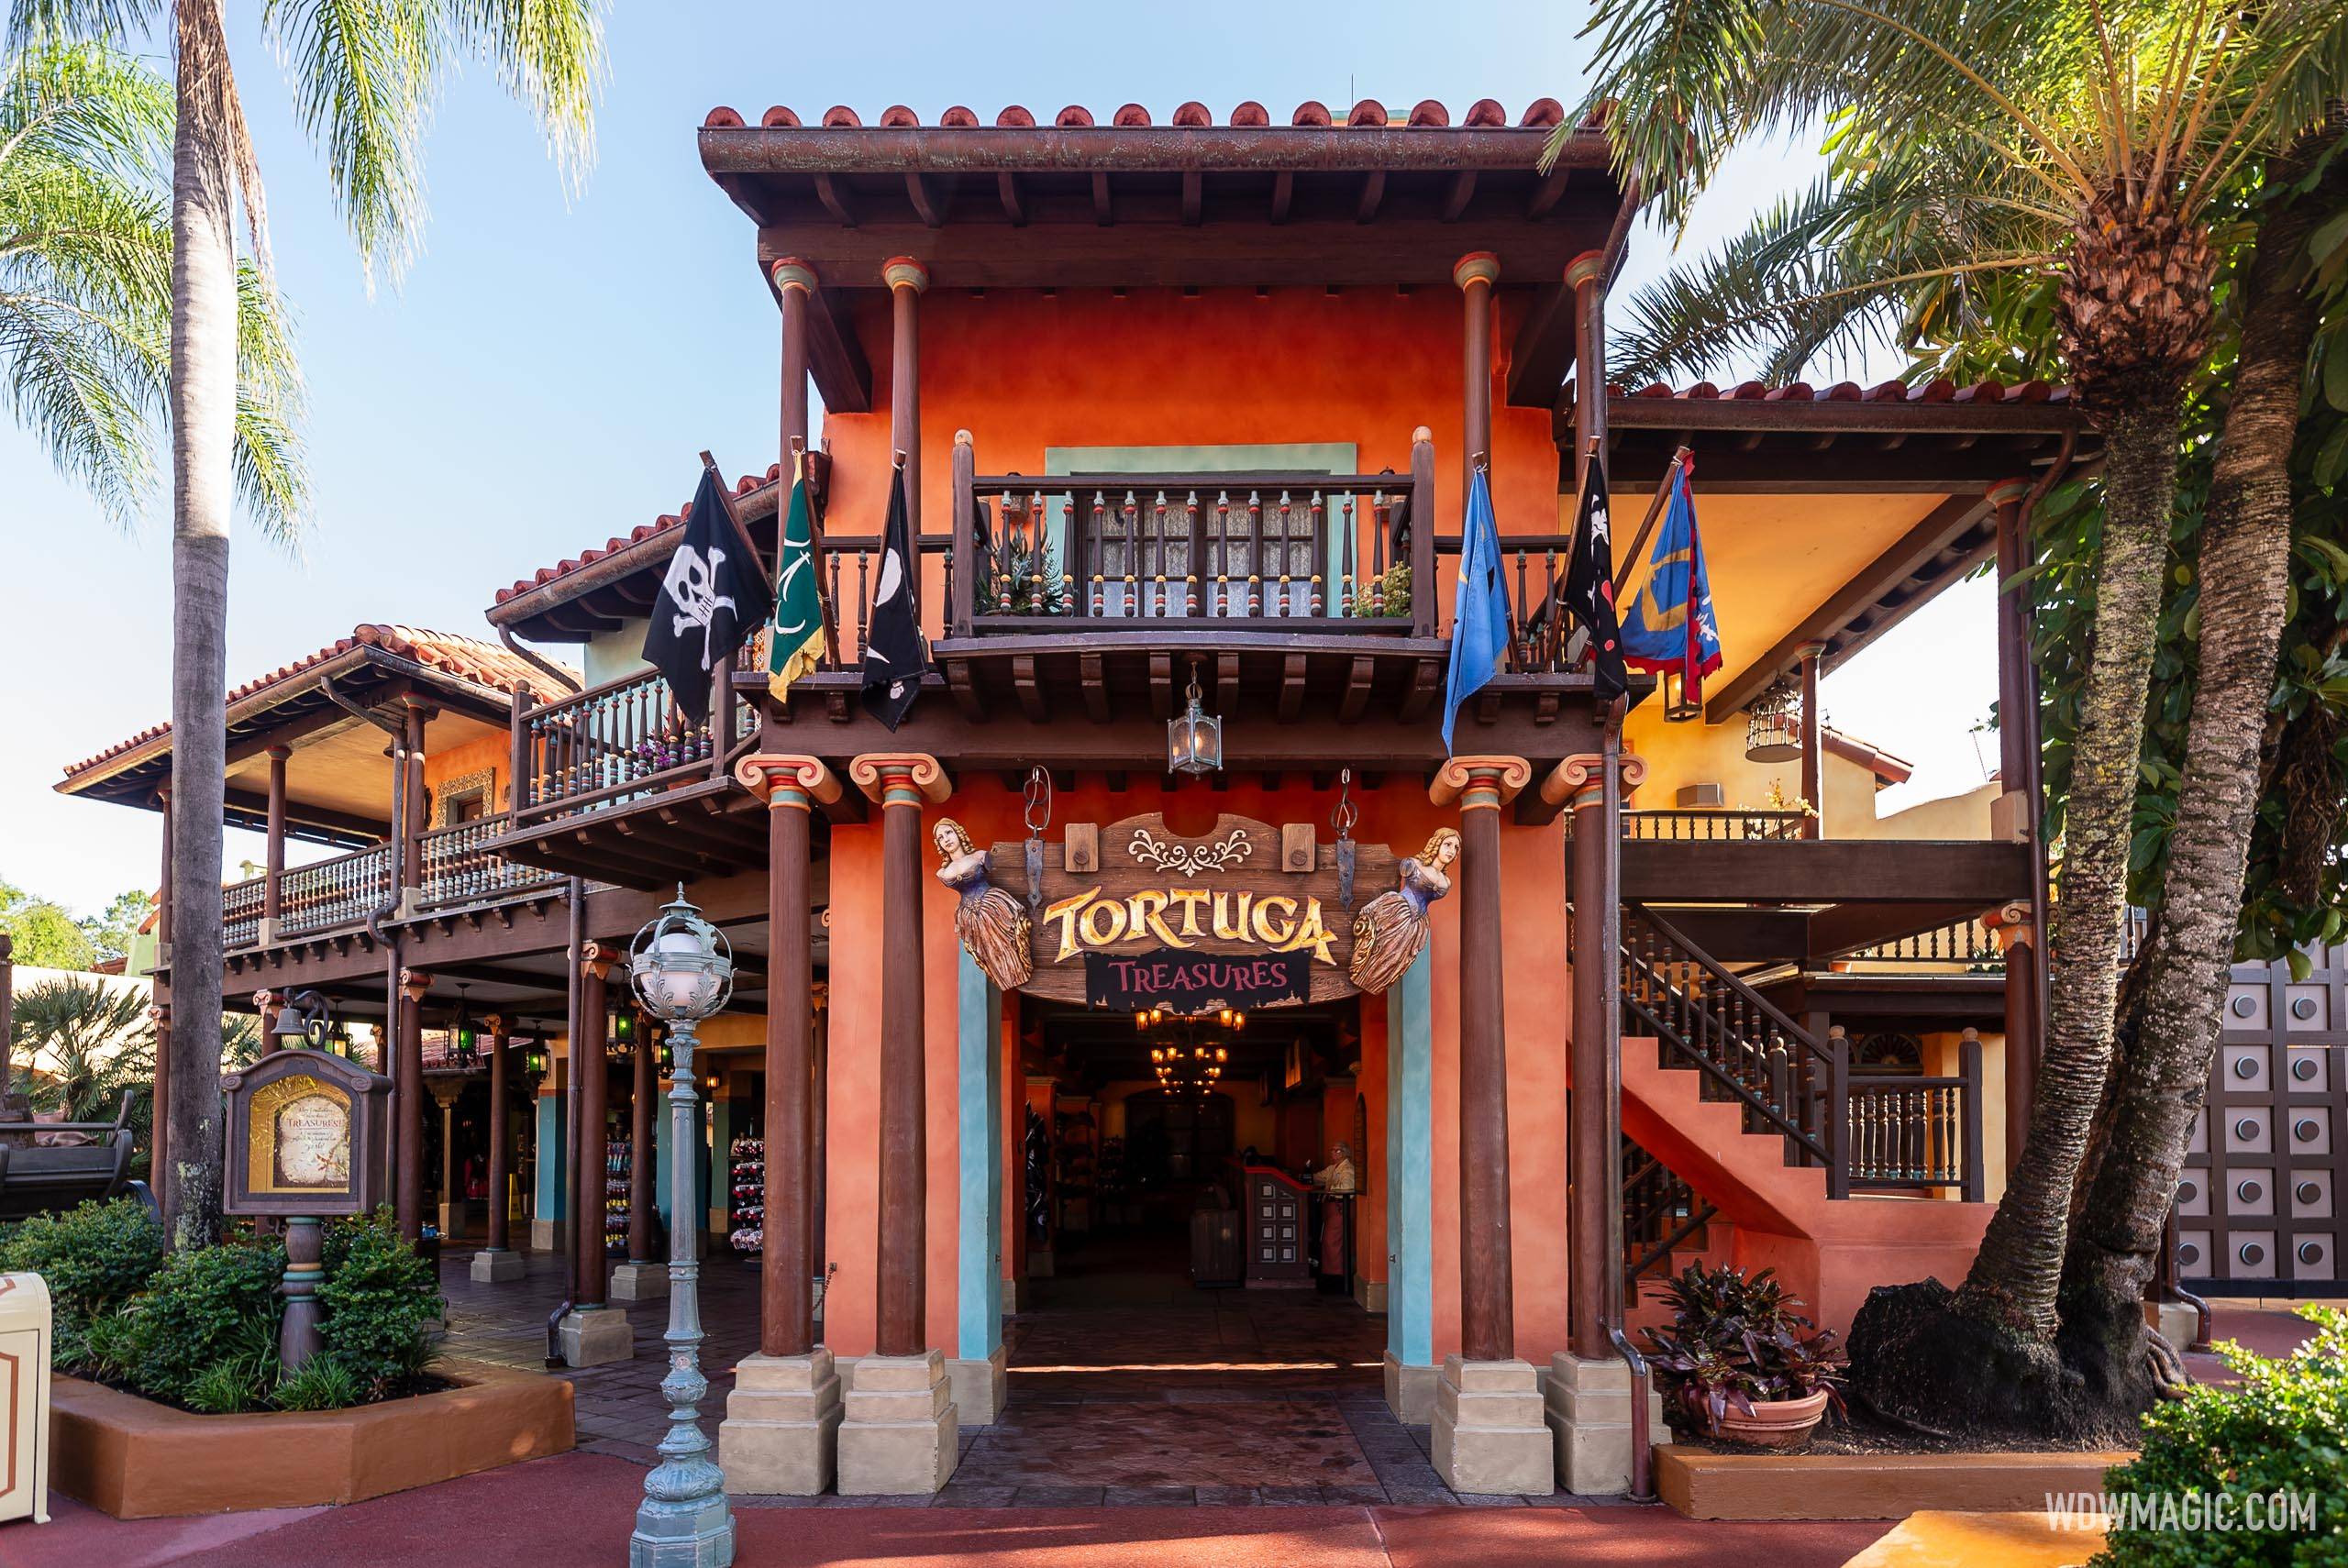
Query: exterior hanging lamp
[
  {"x": 1772, "y": 724},
  {"x": 1194, "y": 736}
]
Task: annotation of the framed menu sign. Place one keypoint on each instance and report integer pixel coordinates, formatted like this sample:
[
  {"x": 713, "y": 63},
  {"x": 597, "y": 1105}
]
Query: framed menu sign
[{"x": 307, "y": 1131}]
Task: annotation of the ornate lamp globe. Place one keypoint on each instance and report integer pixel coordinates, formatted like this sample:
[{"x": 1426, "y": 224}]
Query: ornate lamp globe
[
  {"x": 679, "y": 964},
  {"x": 1194, "y": 736}
]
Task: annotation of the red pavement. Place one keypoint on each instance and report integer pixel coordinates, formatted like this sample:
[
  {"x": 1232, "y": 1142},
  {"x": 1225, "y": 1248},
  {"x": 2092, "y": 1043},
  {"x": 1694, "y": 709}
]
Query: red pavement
[{"x": 574, "y": 1512}]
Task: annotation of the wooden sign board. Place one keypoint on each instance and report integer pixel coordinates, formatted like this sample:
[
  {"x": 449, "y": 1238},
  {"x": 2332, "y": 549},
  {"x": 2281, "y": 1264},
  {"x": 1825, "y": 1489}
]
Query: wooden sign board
[
  {"x": 1192, "y": 923},
  {"x": 307, "y": 1133}
]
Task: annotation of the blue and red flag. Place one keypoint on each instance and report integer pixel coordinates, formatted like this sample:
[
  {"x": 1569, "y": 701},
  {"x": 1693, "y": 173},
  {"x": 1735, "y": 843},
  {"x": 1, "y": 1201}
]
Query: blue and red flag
[{"x": 1670, "y": 628}]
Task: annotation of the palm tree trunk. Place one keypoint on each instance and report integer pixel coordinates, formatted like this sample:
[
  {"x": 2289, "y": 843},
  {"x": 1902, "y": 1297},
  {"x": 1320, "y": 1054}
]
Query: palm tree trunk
[
  {"x": 203, "y": 408},
  {"x": 2015, "y": 1276},
  {"x": 2245, "y": 573}
]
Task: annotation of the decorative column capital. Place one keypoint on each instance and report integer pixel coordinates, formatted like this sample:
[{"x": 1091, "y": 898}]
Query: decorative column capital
[
  {"x": 596, "y": 958},
  {"x": 1814, "y": 648},
  {"x": 899, "y": 778},
  {"x": 492, "y": 1024},
  {"x": 790, "y": 272},
  {"x": 1576, "y": 781},
  {"x": 904, "y": 272},
  {"x": 2009, "y": 492},
  {"x": 1476, "y": 267},
  {"x": 278, "y": 753},
  {"x": 1472, "y": 783},
  {"x": 414, "y": 984},
  {"x": 264, "y": 999},
  {"x": 1589, "y": 267},
  {"x": 2013, "y": 925},
  {"x": 783, "y": 779}
]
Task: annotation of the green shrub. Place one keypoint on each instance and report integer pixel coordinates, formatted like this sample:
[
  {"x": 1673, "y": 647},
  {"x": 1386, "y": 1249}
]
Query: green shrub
[
  {"x": 377, "y": 1299},
  {"x": 325, "y": 1381},
  {"x": 93, "y": 1258},
  {"x": 2284, "y": 1429},
  {"x": 208, "y": 1308}
]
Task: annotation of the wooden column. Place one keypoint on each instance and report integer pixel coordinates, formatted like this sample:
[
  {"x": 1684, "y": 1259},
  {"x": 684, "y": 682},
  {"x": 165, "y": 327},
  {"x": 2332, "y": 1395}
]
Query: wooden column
[
  {"x": 500, "y": 1135},
  {"x": 272, "y": 895},
  {"x": 899, "y": 781},
  {"x": 1579, "y": 783},
  {"x": 416, "y": 808},
  {"x": 407, "y": 1098},
  {"x": 795, "y": 287},
  {"x": 2018, "y": 814},
  {"x": 642, "y": 1169},
  {"x": 1480, "y": 786},
  {"x": 1475, "y": 273},
  {"x": 159, "y": 1155},
  {"x": 265, "y": 1006},
  {"x": 589, "y": 1073},
  {"x": 1813, "y": 743},
  {"x": 906, "y": 279},
  {"x": 1586, "y": 275},
  {"x": 793, "y": 787}
]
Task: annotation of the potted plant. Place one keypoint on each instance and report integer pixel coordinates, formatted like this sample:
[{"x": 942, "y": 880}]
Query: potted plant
[{"x": 1739, "y": 1360}]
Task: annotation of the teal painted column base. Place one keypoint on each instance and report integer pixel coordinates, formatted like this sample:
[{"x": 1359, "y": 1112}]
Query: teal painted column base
[
  {"x": 550, "y": 1177},
  {"x": 977, "y": 1365},
  {"x": 1410, "y": 1373}
]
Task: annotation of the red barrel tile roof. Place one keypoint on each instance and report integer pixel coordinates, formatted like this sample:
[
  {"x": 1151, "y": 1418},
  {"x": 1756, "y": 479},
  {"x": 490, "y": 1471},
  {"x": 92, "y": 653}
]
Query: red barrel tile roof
[
  {"x": 1936, "y": 391},
  {"x": 466, "y": 658},
  {"x": 1485, "y": 114},
  {"x": 746, "y": 485}
]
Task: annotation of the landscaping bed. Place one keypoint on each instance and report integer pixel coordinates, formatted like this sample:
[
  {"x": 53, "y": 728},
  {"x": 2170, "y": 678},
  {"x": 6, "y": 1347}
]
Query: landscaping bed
[
  {"x": 136, "y": 1459},
  {"x": 1712, "y": 1483}
]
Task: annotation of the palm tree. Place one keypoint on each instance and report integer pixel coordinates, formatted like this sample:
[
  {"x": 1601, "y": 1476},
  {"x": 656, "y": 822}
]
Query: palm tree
[
  {"x": 85, "y": 1043},
  {"x": 364, "y": 79},
  {"x": 1993, "y": 146},
  {"x": 86, "y": 295}
]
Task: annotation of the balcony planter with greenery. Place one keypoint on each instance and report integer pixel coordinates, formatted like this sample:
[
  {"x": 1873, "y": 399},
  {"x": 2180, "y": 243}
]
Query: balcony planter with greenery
[{"x": 1737, "y": 1359}]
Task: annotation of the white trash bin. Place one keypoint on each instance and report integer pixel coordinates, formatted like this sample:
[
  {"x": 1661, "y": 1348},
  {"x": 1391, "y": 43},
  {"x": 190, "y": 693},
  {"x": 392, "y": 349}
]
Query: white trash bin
[{"x": 24, "y": 1397}]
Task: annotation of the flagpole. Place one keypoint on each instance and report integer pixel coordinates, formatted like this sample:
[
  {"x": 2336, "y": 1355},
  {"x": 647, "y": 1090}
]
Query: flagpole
[
  {"x": 725, "y": 501},
  {"x": 799, "y": 465},
  {"x": 1646, "y": 525}
]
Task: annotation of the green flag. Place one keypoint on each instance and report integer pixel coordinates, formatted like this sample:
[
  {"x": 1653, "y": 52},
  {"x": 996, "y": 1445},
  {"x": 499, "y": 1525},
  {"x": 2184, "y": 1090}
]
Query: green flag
[{"x": 795, "y": 639}]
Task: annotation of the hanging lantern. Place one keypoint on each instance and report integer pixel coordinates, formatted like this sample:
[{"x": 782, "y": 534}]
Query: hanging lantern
[
  {"x": 1672, "y": 688},
  {"x": 1772, "y": 724},
  {"x": 1194, "y": 737}
]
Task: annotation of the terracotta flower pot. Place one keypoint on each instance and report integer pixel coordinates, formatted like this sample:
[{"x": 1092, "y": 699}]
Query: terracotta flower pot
[{"x": 1775, "y": 1423}]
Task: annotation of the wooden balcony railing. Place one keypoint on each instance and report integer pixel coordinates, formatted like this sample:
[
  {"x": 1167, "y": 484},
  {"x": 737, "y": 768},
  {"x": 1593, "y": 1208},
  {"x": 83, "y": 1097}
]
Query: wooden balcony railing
[
  {"x": 328, "y": 894},
  {"x": 240, "y": 906},
  {"x": 625, "y": 740},
  {"x": 1965, "y": 941},
  {"x": 1715, "y": 824},
  {"x": 458, "y": 866},
  {"x": 1914, "y": 1131}
]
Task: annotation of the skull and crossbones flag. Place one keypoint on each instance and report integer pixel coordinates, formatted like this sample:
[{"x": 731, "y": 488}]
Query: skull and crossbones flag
[
  {"x": 895, "y": 656},
  {"x": 713, "y": 596}
]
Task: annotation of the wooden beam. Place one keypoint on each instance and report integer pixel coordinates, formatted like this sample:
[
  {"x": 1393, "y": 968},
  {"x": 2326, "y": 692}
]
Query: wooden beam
[
  {"x": 301, "y": 814},
  {"x": 1355, "y": 701},
  {"x": 926, "y": 204},
  {"x": 1291, "y": 688},
  {"x": 1092, "y": 677},
  {"x": 835, "y": 199},
  {"x": 1031, "y": 694},
  {"x": 835, "y": 357},
  {"x": 1015, "y": 208},
  {"x": 1103, "y": 213},
  {"x": 1925, "y": 540},
  {"x": 1457, "y": 194},
  {"x": 1809, "y": 414},
  {"x": 1283, "y": 195},
  {"x": 1227, "y": 682},
  {"x": 1193, "y": 197},
  {"x": 1544, "y": 350},
  {"x": 1373, "y": 192},
  {"x": 1830, "y": 871},
  {"x": 1552, "y": 189},
  {"x": 960, "y": 681}
]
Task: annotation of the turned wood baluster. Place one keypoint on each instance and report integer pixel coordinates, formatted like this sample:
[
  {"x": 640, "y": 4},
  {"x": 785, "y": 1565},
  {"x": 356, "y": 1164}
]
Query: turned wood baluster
[
  {"x": 863, "y": 600},
  {"x": 1316, "y": 519},
  {"x": 1255, "y": 554},
  {"x": 1345, "y": 561}
]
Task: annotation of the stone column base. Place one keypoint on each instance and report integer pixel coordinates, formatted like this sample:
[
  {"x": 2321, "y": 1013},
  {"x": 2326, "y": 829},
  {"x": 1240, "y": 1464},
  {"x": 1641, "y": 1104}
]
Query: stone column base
[
  {"x": 781, "y": 1428},
  {"x": 1588, "y": 1412},
  {"x": 595, "y": 1336},
  {"x": 639, "y": 1281},
  {"x": 1370, "y": 1295},
  {"x": 1488, "y": 1435},
  {"x": 497, "y": 1266},
  {"x": 542, "y": 1234},
  {"x": 979, "y": 1388},
  {"x": 2174, "y": 1322},
  {"x": 897, "y": 1437},
  {"x": 1410, "y": 1391},
  {"x": 1011, "y": 1295}
]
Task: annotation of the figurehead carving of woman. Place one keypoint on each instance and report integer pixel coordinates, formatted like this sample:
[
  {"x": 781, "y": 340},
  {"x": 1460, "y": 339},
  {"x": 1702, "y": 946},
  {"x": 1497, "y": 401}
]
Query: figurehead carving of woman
[
  {"x": 994, "y": 928},
  {"x": 1391, "y": 930}
]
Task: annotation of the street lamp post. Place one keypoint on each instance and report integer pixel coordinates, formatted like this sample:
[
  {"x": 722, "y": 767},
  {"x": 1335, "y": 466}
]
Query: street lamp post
[{"x": 682, "y": 971}]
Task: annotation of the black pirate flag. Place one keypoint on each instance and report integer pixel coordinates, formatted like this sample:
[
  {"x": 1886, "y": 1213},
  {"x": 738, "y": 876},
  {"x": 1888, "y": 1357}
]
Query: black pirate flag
[
  {"x": 1589, "y": 587},
  {"x": 895, "y": 656},
  {"x": 713, "y": 596}
]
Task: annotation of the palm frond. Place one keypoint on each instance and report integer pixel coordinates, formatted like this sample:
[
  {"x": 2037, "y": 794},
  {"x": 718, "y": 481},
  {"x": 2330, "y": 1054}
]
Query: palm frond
[
  {"x": 548, "y": 54},
  {"x": 112, "y": 21}
]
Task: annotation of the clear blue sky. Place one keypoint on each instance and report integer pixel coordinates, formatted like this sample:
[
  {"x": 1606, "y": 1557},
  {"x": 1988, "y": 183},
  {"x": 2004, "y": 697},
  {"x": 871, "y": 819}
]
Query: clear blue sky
[{"x": 550, "y": 367}]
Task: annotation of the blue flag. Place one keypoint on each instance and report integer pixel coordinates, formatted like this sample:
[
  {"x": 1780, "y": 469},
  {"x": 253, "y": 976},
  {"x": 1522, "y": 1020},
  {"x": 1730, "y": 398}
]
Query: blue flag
[
  {"x": 1479, "y": 616},
  {"x": 1670, "y": 628}
]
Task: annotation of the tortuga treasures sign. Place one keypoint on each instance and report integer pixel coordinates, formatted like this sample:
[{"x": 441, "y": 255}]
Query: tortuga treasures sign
[{"x": 1244, "y": 915}]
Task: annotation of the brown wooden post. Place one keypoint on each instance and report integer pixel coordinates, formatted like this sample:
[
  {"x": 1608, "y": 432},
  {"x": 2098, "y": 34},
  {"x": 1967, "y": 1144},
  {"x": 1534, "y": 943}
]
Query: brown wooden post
[
  {"x": 899, "y": 781},
  {"x": 2018, "y": 814},
  {"x": 418, "y": 808},
  {"x": 1586, "y": 276},
  {"x": 793, "y": 787},
  {"x": 265, "y": 1006},
  {"x": 907, "y": 279},
  {"x": 1813, "y": 743},
  {"x": 643, "y": 1170},
  {"x": 1480, "y": 786},
  {"x": 1968, "y": 1068},
  {"x": 592, "y": 1076},
  {"x": 818, "y": 1153},
  {"x": 271, "y": 896},
  {"x": 500, "y": 1135},
  {"x": 1475, "y": 273},
  {"x": 1425, "y": 612},
  {"x": 517, "y": 757},
  {"x": 966, "y": 533},
  {"x": 1579, "y": 784},
  {"x": 1837, "y": 1130},
  {"x": 794, "y": 288},
  {"x": 407, "y": 1097}
]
